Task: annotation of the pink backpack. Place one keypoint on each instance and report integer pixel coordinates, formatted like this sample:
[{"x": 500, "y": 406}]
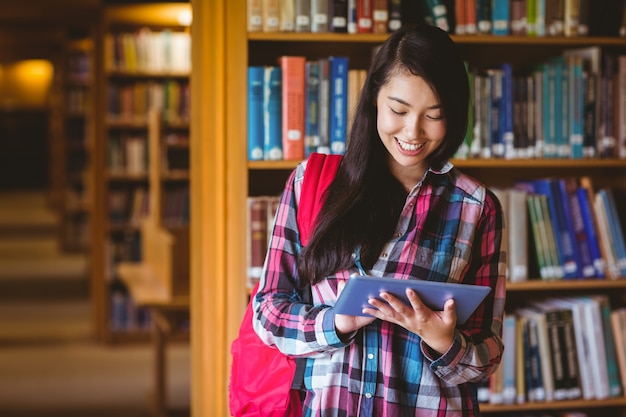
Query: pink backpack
[{"x": 261, "y": 377}]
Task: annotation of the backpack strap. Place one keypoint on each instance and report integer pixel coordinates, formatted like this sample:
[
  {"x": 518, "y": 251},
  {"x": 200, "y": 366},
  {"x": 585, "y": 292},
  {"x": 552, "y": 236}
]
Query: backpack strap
[{"x": 320, "y": 172}]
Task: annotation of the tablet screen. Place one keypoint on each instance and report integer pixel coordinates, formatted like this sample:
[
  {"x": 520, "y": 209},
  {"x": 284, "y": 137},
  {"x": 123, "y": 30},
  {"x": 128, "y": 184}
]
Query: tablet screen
[{"x": 359, "y": 289}]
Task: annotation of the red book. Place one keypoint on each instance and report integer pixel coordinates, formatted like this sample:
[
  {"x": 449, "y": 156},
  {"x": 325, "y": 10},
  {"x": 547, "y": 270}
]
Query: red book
[
  {"x": 364, "y": 16},
  {"x": 293, "y": 77}
]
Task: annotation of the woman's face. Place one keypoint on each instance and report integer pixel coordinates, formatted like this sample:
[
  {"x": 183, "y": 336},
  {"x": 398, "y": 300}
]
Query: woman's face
[{"x": 411, "y": 125}]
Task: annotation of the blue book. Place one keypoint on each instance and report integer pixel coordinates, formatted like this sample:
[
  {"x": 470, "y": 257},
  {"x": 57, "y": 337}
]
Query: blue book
[
  {"x": 576, "y": 105},
  {"x": 561, "y": 107},
  {"x": 586, "y": 210},
  {"x": 496, "y": 132},
  {"x": 549, "y": 110},
  {"x": 338, "y": 95},
  {"x": 568, "y": 189},
  {"x": 272, "y": 113},
  {"x": 255, "y": 113},
  {"x": 500, "y": 17},
  {"x": 506, "y": 111},
  {"x": 312, "y": 108}
]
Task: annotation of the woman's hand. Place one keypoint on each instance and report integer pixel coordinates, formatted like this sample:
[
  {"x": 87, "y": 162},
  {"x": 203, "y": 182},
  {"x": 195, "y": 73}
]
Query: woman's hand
[
  {"x": 436, "y": 328},
  {"x": 345, "y": 324}
]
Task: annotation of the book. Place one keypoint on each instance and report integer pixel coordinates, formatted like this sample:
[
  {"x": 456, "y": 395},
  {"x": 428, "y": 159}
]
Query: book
[
  {"x": 312, "y": 109},
  {"x": 256, "y": 76},
  {"x": 618, "y": 325},
  {"x": 539, "y": 242},
  {"x": 324, "y": 105},
  {"x": 615, "y": 228},
  {"x": 591, "y": 232},
  {"x": 610, "y": 256},
  {"x": 483, "y": 16},
  {"x": 254, "y": 12},
  {"x": 593, "y": 317},
  {"x": 303, "y": 15},
  {"x": 272, "y": 114},
  {"x": 338, "y": 108},
  {"x": 571, "y": 17},
  {"x": 380, "y": 16},
  {"x": 338, "y": 16},
  {"x": 293, "y": 97},
  {"x": 509, "y": 359},
  {"x": 438, "y": 12},
  {"x": 287, "y": 9},
  {"x": 271, "y": 15},
  {"x": 256, "y": 239},
  {"x": 395, "y": 15},
  {"x": 364, "y": 16},
  {"x": 319, "y": 16},
  {"x": 500, "y": 17},
  {"x": 615, "y": 387},
  {"x": 518, "y": 235}
]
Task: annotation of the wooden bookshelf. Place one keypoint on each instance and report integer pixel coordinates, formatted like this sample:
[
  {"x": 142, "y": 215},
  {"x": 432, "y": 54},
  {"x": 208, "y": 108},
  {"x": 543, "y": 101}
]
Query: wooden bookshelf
[
  {"x": 130, "y": 190},
  {"x": 222, "y": 177}
]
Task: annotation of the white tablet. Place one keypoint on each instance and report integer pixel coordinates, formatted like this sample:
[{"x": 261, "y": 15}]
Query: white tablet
[{"x": 359, "y": 289}]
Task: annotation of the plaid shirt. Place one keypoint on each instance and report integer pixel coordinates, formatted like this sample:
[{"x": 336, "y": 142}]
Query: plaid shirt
[{"x": 451, "y": 229}]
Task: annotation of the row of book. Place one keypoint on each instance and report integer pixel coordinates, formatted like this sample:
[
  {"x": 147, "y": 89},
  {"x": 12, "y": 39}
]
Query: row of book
[
  {"x": 571, "y": 106},
  {"x": 561, "y": 228},
  {"x": 146, "y": 50},
  {"x": 461, "y": 17},
  {"x": 300, "y": 106},
  {"x": 79, "y": 67},
  {"x": 130, "y": 102},
  {"x": 561, "y": 348},
  {"x": 129, "y": 207}
]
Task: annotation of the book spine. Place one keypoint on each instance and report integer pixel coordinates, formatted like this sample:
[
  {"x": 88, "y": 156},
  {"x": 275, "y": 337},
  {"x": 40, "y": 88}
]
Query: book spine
[
  {"x": 569, "y": 189},
  {"x": 293, "y": 94},
  {"x": 312, "y": 109},
  {"x": 255, "y": 15},
  {"x": 380, "y": 16},
  {"x": 506, "y": 111},
  {"x": 272, "y": 114},
  {"x": 496, "y": 128},
  {"x": 257, "y": 238},
  {"x": 338, "y": 103},
  {"x": 518, "y": 235},
  {"x": 556, "y": 334},
  {"x": 615, "y": 388},
  {"x": 500, "y": 17},
  {"x": 395, "y": 15},
  {"x": 576, "y": 105},
  {"x": 319, "y": 16},
  {"x": 483, "y": 16},
  {"x": 338, "y": 16},
  {"x": 255, "y": 113},
  {"x": 471, "y": 8},
  {"x": 531, "y": 18},
  {"x": 287, "y": 10},
  {"x": 538, "y": 244},
  {"x": 607, "y": 143},
  {"x": 540, "y": 17},
  {"x": 353, "y": 23},
  {"x": 571, "y": 17},
  {"x": 364, "y": 16},
  {"x": 439, "y": 14},
  {"x": 271, "y": 15},
  {"x": 303, "y": 15},
  {"x": 324, "y": 106},
  {"x": 589, "y": 221}
]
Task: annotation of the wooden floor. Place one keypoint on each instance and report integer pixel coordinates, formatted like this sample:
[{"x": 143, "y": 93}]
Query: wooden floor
[{"x": 49, "y": 362}]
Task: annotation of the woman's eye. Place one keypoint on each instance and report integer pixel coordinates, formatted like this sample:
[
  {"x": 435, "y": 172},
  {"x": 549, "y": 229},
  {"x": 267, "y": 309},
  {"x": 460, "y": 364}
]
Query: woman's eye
[
  {"x": 396, "y": 112},
  {"x": 435, "y": 117}
]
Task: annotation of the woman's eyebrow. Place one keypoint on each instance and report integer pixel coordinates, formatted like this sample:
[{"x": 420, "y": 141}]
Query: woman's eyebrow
[{"x": 401, "y": 101}]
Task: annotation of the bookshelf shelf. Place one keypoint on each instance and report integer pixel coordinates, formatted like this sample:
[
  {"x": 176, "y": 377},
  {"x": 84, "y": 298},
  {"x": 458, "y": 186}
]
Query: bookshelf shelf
[
  {"x": 567, "y": 285},
  {"x": 555, "y": 405}
]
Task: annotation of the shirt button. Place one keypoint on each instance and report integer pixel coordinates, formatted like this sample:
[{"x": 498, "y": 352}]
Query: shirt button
[
  {"x": 398, "y": 235},
  {"x": 384, "y": 255},
  {"x": 370, "y": 356},
  {"x": 368, "y": 395}
]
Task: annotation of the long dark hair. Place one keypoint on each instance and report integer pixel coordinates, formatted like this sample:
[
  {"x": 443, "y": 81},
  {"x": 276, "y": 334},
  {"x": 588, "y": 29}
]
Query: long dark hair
[{"x": 365, "y": 200}]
